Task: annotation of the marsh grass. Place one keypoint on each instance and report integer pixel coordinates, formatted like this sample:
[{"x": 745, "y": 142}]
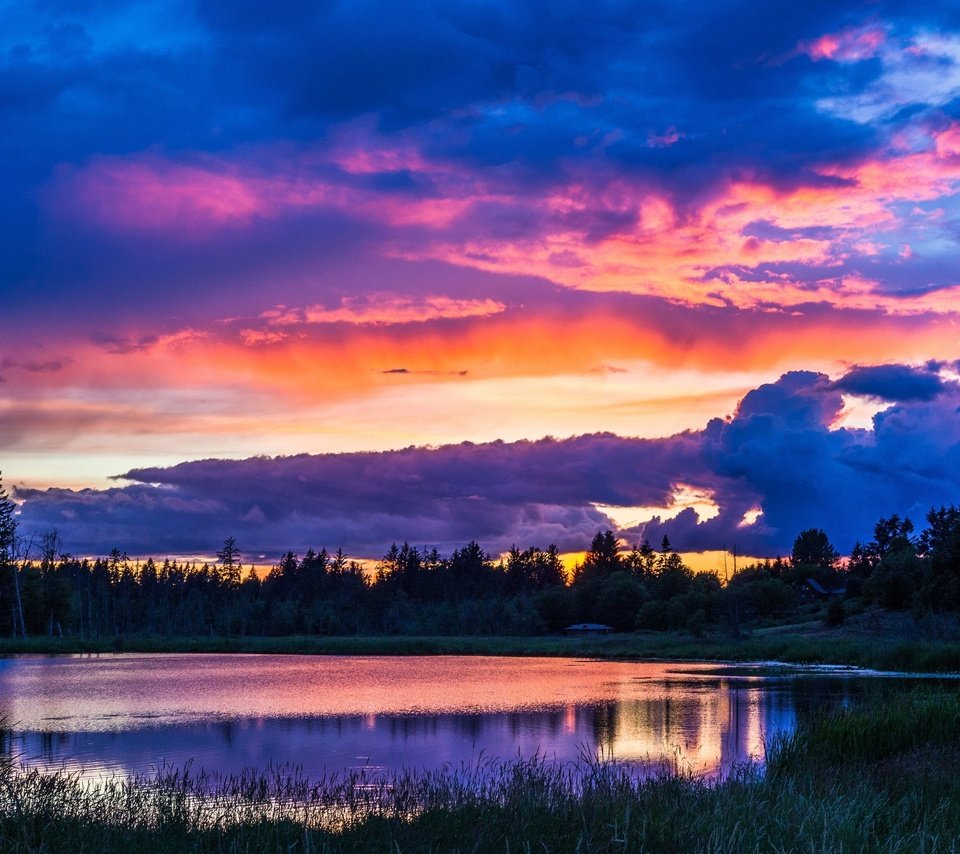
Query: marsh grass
[
  {"x": 918, "y": 656},
  {"x": 883, "y": 777},
  {"x": 921, "y": 720}
]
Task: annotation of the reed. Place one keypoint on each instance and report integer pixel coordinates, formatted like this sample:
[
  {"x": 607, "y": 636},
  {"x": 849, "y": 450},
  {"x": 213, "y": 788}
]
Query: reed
[{"x": 926, "y": 656}]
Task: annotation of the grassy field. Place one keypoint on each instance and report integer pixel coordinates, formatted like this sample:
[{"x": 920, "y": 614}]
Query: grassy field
[
  {"x": 861, "y": 648},
  {"x": 879, "y": 778}
]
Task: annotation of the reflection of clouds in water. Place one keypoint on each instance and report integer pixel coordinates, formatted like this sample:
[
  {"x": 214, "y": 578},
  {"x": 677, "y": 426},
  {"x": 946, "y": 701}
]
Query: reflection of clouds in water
[
  {"x": 703, "y": 734},
  {"x": 645, "y": 715},
  {"x": 127, "y": 691},
  {"x": 318, "y": 745}
]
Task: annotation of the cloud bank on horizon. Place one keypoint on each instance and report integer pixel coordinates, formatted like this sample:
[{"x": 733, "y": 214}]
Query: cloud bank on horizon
[
  {"x": 779, "y": 465},
  {"x": 244, "y": 229}
]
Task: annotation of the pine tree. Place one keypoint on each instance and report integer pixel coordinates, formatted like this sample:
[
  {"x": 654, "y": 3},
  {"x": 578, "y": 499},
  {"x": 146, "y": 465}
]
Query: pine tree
[
  {"x": 8, "y": 526},
  {"x": 229, "y": 559},
  {"x": 8, "y": 546}
]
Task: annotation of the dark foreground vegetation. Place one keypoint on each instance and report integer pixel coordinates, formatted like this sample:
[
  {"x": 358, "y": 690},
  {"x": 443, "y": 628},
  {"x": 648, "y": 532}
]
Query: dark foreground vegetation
[
  {"x": 877, "y": 778},
  {"x": 118, "y": 603}
]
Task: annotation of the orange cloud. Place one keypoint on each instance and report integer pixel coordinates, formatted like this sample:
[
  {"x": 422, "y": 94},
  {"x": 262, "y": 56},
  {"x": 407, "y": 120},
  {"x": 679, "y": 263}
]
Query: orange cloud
[
  {"x": 346, "y": 360},
  {"x": 514, "y": 374}
]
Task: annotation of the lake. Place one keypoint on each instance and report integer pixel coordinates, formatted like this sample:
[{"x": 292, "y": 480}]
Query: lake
[{"x": 130, "y": 713}]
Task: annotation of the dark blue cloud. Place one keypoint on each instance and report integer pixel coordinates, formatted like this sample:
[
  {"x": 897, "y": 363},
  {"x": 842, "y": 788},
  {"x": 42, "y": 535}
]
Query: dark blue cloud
[
  {"x": 894, "y": 383},
  {"x": 764, "y": 230},
  {"x": 777, "y": 454},
  {"x": 894, "y": 275},
  {"x": 536, "y": 90},
  {"x": 227, "y": 73}
]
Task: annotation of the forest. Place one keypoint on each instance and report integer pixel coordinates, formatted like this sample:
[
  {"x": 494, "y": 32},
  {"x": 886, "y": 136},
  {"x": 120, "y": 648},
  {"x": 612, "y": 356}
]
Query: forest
[{"x": 46, "y": 591}]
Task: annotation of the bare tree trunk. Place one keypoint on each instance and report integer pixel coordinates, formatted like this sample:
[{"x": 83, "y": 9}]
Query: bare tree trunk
[{"x": 16, "y": 588}]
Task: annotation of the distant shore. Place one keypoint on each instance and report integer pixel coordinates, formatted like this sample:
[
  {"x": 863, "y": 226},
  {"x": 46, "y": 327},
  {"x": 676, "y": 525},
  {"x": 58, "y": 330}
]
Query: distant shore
[{"x": 804, "y": 644}]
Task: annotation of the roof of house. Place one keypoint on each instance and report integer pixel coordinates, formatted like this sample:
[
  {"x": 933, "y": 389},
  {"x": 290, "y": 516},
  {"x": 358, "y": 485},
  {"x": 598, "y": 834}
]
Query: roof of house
[
  {"x": 589, "y": 627},
  {"x": 817, "y": 587}
]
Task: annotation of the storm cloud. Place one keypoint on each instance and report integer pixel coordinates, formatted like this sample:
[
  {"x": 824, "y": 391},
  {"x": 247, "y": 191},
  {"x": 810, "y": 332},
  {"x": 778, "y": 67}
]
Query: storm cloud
[
  {"x": 894, "y": 382},
  {"x": 777, "y": 454}
]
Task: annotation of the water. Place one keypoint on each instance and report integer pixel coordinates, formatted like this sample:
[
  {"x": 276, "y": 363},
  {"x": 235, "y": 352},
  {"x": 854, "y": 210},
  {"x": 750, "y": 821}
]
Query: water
[{"x": 124, "y": 714}]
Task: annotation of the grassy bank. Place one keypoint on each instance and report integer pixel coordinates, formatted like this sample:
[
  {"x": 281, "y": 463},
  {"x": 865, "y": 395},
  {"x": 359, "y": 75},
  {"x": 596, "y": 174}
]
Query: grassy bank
[
  {"x": 822, "y": 647},
  {"x": 833, "y": 786}
]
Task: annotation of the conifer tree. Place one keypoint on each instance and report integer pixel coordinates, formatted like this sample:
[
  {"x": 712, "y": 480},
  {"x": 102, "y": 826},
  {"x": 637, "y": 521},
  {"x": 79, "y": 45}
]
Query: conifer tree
[
  {"x": 8, "y": 525},
  {"x": 8, "y": 546}
]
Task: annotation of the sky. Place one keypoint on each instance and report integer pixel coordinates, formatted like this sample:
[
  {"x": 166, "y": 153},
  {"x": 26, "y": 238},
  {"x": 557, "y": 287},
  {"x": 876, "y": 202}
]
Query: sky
[{"x": 347, "y": 273}]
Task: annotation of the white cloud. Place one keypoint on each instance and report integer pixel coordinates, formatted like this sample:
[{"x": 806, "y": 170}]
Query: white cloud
[{"x": 923, "y": 72}]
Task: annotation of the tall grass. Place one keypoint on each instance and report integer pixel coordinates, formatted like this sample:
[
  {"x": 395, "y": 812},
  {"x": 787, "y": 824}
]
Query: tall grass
[
  {"x": 880, "y": 778},
  {"x": 922, "y": 720},
  {"x": 926, "y": 656}
]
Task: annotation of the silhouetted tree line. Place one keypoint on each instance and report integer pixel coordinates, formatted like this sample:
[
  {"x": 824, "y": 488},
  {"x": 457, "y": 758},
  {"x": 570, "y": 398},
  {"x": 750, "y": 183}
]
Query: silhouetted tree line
[{"x": 418, "y": 591}]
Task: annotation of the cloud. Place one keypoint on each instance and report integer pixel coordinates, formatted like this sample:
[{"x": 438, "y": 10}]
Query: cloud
[
  {"x": 894, "y": 383},
  {"x": 123, "y": 345},
  {"x": 407, "y": 371},
  {"x": 520, "y": 191},
  {"x": 776, "y": 454},
  {"x": 33, "y": 367},
  {"x": 853, "y": 44},
  {"x": 384, "y": 309},
  {"x": 923, "y": 70},
  {"x": 220, "y": 159}
]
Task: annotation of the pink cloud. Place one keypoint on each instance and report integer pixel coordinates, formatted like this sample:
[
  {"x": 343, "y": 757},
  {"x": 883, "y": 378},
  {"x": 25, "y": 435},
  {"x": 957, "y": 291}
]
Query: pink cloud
[
  {"x": 663, "y": 140},
  {"x": 149, "y": 193},
  {"x": 384, "y": 309},
  {"x": 158, "y": 195},
  {"x": 948, "y": 141},
  {"x": 599, "y": 230},
  {"x": 256, "y": 337},
  {"x": 380, "y": 309},
  {"x": 850, "y": 45}
]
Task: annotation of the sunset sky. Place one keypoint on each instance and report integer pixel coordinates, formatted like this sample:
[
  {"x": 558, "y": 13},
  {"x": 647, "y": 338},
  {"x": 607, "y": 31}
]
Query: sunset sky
[{"x": 331, "y": 273}]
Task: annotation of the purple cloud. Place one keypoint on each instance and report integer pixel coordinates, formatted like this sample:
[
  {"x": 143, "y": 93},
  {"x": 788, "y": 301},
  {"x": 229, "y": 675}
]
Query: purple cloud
[
  {"x": 777, "y": 453},
  {"x": 894, "y": 382}
]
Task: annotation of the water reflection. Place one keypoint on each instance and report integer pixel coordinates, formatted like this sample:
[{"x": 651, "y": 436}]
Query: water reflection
[{"x": 127, "y": 714}]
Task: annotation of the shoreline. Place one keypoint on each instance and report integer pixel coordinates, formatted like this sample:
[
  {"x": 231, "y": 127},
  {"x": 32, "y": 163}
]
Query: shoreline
[{"x": 863, "y": 651}]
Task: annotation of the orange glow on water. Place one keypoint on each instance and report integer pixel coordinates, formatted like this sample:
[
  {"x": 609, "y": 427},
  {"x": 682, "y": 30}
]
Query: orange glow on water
[{"x": 651, "y": 712}]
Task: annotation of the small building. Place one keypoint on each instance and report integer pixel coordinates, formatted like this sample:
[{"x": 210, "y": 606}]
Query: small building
[
  {"x": 588, "y": 629},
  {"x": 820, "y": 592}
]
